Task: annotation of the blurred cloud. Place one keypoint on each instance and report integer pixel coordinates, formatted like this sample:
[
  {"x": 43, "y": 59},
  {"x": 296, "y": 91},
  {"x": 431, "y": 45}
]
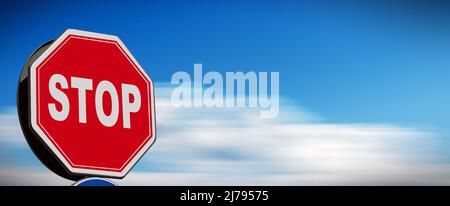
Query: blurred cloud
[
  {"x": 10, "y": 131},
  {"x": 234, "y": 146}
]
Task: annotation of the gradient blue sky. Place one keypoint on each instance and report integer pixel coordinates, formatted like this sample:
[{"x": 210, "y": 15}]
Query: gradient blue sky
[{"x": 348, "y": 62}]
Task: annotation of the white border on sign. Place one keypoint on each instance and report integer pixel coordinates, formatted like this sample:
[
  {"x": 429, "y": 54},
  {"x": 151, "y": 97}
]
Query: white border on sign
[{"x": 63, "y": 158}]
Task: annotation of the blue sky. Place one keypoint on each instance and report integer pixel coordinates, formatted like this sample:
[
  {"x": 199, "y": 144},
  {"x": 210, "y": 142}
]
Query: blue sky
[
  {"x": 350, "y": 63},
  {"x": 374, "y": 63}
]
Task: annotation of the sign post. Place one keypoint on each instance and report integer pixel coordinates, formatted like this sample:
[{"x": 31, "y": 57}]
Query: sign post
[{"x": 86, "y": 106}]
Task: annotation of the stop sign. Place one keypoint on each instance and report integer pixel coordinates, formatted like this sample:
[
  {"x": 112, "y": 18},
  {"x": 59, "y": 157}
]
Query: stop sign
[{"x": 91, "y": 105}]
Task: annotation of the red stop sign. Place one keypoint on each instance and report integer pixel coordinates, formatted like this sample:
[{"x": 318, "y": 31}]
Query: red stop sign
[{"x": 92, "y": 104}]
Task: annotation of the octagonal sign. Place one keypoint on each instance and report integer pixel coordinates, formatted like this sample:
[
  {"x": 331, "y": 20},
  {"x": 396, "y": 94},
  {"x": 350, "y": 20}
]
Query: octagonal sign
[{"x": 92, "y": 104}]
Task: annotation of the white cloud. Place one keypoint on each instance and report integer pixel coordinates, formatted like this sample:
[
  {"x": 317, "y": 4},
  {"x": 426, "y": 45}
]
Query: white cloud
[
  {"x": 234, "y": 146},
  {"x": 30, "y": 177},
  {"x": 10, "y": 131}
]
